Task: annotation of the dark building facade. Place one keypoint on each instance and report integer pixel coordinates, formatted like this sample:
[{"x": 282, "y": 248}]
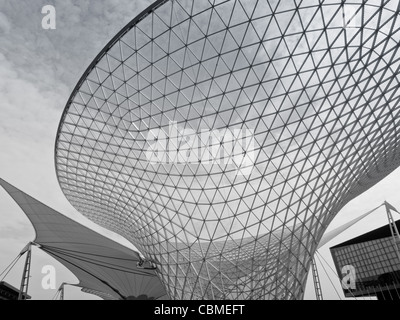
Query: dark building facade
[
  {"x": 8, "y": 292},
  {"x": 368, "y": 265}
]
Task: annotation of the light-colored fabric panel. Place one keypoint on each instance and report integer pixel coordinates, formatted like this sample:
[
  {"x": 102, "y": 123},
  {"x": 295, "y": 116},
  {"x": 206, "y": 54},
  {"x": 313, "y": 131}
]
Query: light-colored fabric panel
[{"x": 100, "y": 264}]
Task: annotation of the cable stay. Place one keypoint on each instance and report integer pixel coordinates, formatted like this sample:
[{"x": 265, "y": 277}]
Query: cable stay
[
  {"x": 10, "y": 267},
  {"x": 326, "y": 273},
  {"x": 52, "y": 250},
  {"x": 377, "y": 289}
]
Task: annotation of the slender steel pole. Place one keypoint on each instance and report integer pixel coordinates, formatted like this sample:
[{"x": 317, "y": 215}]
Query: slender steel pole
[
  {"x": 317, "y": 282},
  {"x": 393, "y": 228},
  {"x": 23, "y": 291}
]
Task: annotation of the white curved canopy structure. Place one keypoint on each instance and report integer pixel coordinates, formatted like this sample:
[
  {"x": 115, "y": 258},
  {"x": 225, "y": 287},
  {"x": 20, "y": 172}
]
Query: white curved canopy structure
[{"x": 147, "y": 146}]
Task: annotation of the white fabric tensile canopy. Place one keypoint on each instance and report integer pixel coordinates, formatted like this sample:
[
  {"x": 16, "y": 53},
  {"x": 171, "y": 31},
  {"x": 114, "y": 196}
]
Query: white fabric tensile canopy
[{"x": 104, "y": 267}]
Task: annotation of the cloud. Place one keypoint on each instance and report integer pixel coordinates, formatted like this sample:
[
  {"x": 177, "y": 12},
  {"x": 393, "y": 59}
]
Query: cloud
[
  {"x": 38, "y": 70},
  {"x": 13, "y": 232},
  {"x": 5, "y": 25}
]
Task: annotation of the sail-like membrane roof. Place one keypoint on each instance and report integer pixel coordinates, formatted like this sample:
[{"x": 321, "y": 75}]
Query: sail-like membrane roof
[{"x": 103, "y": 266}]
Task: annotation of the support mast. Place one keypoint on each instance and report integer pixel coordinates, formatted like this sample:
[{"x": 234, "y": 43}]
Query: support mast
[{"x": 23, "y": 291}]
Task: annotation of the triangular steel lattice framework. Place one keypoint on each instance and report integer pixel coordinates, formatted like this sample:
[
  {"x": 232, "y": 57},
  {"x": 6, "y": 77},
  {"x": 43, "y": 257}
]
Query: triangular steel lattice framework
[{"x": 313, "y": 85}]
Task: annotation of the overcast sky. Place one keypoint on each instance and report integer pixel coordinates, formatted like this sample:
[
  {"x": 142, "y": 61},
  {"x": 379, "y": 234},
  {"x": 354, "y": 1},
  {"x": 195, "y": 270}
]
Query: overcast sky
[{"x": 38, "y": 70}]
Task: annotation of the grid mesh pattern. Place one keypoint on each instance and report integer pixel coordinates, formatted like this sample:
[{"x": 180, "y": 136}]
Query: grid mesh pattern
[
  {"x": 313, "y": 83},
  {"x": 371, "y": 258},
  {"x": 375, "y": 264}
]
